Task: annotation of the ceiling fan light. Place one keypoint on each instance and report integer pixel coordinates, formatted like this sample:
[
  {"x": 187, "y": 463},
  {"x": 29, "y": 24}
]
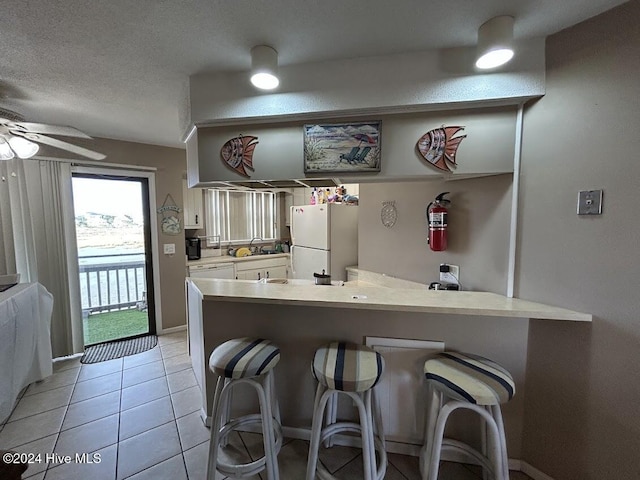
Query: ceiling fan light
[
  {"x": 495, "y": 42},
  {"x": 264, "y": 67},
  {"x": 23, "y": 148},
  {"x": 5, "y": 150}
]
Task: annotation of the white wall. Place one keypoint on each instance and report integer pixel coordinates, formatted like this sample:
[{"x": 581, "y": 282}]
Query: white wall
[{"x": 583, "y": 382}]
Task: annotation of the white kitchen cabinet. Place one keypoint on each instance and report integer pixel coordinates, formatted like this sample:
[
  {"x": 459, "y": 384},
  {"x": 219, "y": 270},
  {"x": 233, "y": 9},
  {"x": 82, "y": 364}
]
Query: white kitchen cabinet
[
  {"x": 262, "y": 268},
  {"x": 192, "y": 207}
]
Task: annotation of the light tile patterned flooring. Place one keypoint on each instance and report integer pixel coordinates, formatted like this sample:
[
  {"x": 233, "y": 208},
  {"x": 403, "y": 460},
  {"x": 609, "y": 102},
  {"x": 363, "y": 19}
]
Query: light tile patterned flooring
[{"x": 141, "y": 414}]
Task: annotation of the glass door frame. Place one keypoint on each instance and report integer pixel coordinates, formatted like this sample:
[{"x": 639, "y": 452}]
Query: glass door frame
[{"x": 147, "y": 179}]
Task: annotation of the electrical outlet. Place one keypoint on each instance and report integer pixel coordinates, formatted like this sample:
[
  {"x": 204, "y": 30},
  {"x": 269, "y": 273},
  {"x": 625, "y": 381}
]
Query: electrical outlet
[
  {"x": 452, "y": 276},
  {"x": 590, "y": 202},
  {"x": 169, "y": 248}
]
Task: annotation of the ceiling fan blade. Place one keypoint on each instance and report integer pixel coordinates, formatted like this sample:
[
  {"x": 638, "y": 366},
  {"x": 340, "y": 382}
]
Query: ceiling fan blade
[
  {"x": 54, "y": 142},
  {"x": 29, "y": 127}
]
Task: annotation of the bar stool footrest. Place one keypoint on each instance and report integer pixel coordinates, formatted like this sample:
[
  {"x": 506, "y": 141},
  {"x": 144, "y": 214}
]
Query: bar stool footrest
[
  {"x": 339, "y": 427},
  {"x": 251, "y": 468},
  {"x": 451, "y": 445}
]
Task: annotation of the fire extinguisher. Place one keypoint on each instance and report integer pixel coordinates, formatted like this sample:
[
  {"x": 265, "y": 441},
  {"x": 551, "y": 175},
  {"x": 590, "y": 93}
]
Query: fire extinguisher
[{"x": 437, "y": 220}]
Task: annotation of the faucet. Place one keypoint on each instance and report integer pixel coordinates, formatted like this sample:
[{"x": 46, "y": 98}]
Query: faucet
[{"x": 251, "y": 242}]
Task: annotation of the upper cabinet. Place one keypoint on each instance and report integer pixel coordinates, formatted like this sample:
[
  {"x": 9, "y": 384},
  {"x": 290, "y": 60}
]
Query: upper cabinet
[
  {"x": 278, "y": 152},
  {"x": 192, "y": 198}
]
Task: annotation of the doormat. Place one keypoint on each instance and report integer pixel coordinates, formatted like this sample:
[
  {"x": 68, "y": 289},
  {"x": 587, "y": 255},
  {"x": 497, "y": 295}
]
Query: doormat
[{"x": 118, "y": 349}]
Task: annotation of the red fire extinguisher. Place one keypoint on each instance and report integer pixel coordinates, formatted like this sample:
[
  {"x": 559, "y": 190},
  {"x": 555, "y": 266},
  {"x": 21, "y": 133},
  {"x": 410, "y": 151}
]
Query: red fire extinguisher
[{"x": 437, "y": 220}]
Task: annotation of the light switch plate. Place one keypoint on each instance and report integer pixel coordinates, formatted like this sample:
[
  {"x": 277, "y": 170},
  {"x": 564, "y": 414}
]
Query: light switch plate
[
  {"x": 169, "y": 248},
  {"x": 590, "y": 202}
]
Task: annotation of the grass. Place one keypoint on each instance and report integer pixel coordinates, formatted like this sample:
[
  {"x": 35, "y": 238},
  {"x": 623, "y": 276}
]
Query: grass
[{"x": 103, "y": 327}]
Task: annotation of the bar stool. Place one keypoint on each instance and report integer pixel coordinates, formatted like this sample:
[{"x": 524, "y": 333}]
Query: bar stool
[
  {"x": 461, "y": 380},
  {"x": 250, "y": 361},
  {"x": 352, "y": 370}
]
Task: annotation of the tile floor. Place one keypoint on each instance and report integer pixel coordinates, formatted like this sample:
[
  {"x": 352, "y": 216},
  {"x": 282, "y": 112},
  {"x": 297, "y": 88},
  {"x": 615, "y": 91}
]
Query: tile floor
[{"x": 141, "y": 415}]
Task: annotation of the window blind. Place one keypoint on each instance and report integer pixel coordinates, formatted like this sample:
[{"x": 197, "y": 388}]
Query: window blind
[{"x": 238, "y": 216}]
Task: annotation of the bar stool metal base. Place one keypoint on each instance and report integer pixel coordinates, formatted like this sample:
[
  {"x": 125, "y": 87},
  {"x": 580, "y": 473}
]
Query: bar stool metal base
[
  {"x": 493, "y": 458},
  {"x": 370, "y": 429},
  {"x": 222, "y": 426},
  {"x": 459, "y": 380}
]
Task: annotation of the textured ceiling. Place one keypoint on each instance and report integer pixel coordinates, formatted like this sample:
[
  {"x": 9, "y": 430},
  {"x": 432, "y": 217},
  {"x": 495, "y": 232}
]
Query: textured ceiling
[{"x": 120, "y": 68}]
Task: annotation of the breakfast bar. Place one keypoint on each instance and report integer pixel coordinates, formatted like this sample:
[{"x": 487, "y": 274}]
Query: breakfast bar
[{"x": 299, "y": 317}]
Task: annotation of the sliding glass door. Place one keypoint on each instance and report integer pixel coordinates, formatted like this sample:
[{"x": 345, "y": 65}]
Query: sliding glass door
[{"x": 112, "y": 220}]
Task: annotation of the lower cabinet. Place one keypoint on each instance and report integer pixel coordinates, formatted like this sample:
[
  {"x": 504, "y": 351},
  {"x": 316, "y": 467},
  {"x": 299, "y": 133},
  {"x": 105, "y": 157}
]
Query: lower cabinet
[{"x": 262, "y": 268}]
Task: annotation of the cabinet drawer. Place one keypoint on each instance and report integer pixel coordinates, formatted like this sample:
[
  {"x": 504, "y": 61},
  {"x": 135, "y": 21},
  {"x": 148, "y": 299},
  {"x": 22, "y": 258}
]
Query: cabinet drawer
[{"x": 262, "y": 263}]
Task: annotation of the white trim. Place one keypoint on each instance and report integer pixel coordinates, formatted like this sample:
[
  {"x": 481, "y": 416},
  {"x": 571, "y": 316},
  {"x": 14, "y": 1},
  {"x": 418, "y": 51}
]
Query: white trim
[
  {"x": 301, "y": 433},
  {"x": 517, "y": 154},
  {"x": 95, "y": 163},
  {"x": 153, "y": 225},
  {"x": 190, "y": 133},
  {"x": 533, "y": 472},
  {"x": 167, "y": 331}
]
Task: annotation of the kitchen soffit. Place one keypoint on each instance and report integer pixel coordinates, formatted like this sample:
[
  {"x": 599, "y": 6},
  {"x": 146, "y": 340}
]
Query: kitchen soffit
[{"x": 267, "y": 184}]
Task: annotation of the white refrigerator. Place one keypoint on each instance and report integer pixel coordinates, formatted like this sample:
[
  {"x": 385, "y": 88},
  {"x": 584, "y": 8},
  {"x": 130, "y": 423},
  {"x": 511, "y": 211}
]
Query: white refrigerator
[{"x": 324, "y": 237}]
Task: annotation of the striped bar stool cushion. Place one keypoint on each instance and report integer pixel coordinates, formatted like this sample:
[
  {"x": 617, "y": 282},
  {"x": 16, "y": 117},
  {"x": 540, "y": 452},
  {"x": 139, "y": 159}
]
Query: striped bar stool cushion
[
  {"x": 347, "y": 367},
  {"x": 474, "y": 378},
  {"x": 244, "y": 357}
]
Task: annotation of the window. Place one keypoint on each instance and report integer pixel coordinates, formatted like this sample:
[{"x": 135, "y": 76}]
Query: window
[{"x": 239, "y": 216}]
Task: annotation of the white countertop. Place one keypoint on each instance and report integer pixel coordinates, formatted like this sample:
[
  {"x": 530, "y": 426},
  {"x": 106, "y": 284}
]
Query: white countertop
[
  {"x": 367, "y": 296},
  {"x": 229, "y": 259}
]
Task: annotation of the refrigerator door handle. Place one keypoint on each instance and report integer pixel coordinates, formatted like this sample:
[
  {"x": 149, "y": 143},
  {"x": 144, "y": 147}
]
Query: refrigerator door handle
[
  {"x": 292, "y": 262},
  {"x": 291, "y": 225}
]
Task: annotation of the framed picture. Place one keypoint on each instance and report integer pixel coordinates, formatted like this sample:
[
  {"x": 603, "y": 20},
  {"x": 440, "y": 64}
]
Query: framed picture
[{"x": 342, "y": 148}]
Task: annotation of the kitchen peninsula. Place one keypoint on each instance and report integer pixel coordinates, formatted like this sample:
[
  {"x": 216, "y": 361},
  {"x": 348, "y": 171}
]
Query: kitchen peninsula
[{"x": 299, "y": 318}]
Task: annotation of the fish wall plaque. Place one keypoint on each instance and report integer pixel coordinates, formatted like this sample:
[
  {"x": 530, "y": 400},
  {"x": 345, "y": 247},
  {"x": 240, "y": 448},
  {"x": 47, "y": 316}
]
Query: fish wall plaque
[
  {"x": 439, "y": 147},
  {"x": 237, "y": 153}
]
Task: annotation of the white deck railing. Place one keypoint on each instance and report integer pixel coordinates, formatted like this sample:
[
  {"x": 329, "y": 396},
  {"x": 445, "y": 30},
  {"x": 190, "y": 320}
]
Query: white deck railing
[{"x": 112, "y": 286}]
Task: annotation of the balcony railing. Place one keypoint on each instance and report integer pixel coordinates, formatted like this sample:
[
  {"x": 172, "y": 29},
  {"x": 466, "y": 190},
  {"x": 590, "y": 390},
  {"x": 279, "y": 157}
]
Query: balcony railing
[{"x": 112, "y": 285}]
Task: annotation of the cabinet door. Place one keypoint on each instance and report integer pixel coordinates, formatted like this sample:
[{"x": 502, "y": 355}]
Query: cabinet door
[
  {"x": 192, "y": 206},
  {"x": 279, "y": 271}
]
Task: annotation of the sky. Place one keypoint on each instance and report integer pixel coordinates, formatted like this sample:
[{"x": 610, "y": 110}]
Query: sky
[{"x": 108, "y": 197}]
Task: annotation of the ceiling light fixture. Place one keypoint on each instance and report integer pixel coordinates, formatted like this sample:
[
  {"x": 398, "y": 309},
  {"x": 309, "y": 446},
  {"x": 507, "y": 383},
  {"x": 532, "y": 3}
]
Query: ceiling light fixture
[
  {"x": 495, "y": 42},
  {"x": 264, "y": 67},
  {"x": 12, "y": 146}
]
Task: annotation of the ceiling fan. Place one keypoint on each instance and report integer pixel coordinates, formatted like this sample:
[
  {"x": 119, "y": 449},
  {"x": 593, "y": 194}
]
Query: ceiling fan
[{"x": 20, "y": 139}]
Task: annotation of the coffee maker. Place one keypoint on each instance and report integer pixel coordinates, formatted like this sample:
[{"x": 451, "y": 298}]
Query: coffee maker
[{"x": 193, "y": 248}]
